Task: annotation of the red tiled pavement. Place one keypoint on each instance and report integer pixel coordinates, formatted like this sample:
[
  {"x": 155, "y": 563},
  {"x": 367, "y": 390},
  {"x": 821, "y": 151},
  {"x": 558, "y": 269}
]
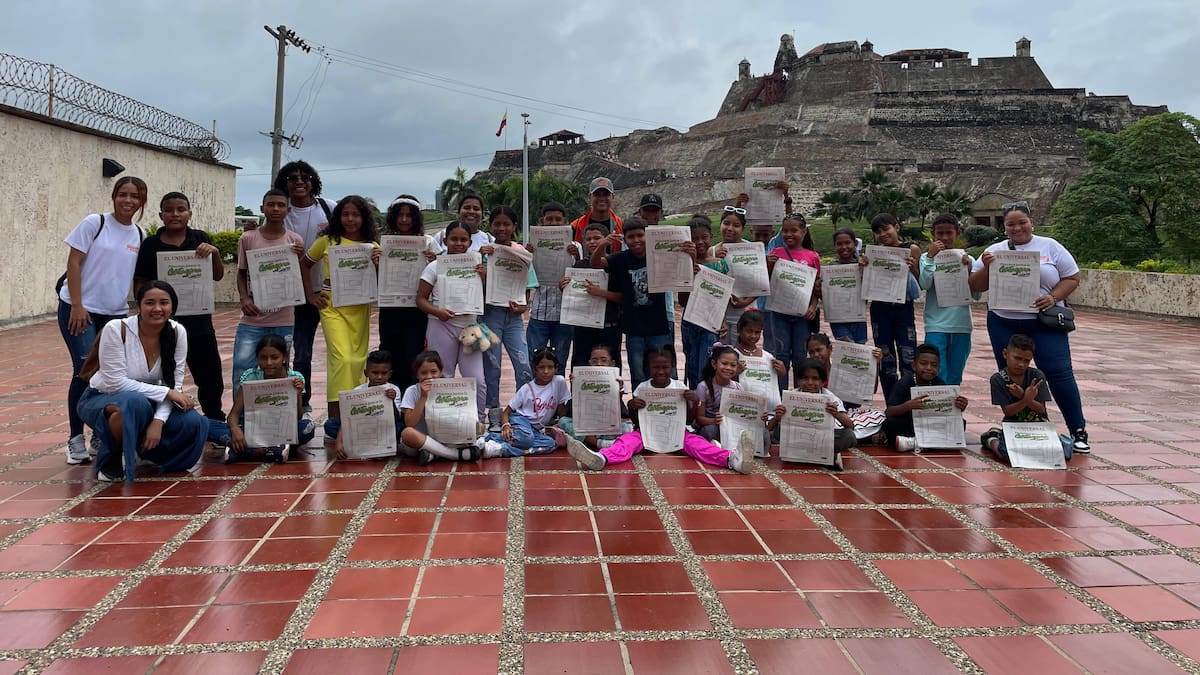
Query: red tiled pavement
[{"x": 901, "y": 563}]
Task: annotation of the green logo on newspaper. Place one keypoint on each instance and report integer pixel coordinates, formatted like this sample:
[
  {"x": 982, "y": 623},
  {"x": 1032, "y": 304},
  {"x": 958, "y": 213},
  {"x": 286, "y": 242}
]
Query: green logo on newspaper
[
  {"x": 808, "y": 415},
  {"x": 667, "y": 245},
  {"x": 764, "y": 184},
  {"x": 755, "y": 374},
  {"x": 743, "y": 260},
  {"x": 277, "y": 266},
  {"x": 276, "y": 400},
  {"x": 460, "y": 273},
  {"x": 552, "y": 244},
  {"x": 855, "y": 362},
  {"x": 938, "y": 406},
  {"x": 794, "y": 279},
  {"x": 742, "y": 411},
  {"x": 368, "y": 409},
  {"x": 184, "y": 272},
  {"x": 712, "y": 289},
  {"x": 597, "y": 387},
  {"x": 1015, "y": 270},
  {"x": 948, "y": 267},
  {"x": 510, "y": 265},
  {"x": 1028, "y": 436},
  {"x": 354, "y": 263},
  {"x": 887, "y": 264},
  {"x": 456, "y": 400},
  {"x": 402, "y": 254},
  {"x": 664, "y": 408},
  {"x": 848, "y": 282}
]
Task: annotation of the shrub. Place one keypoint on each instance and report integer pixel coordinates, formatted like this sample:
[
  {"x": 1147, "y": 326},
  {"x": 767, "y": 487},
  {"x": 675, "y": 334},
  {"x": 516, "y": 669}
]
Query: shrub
[
  {"x": 226, "y": 242},
  {"x": 1112, "y": 265},
  {"x": 980, "y": 235}
]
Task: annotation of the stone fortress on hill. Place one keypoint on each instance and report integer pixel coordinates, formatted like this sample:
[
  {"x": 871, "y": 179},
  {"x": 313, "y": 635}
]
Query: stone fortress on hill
[{"x": 994, "y": 128}]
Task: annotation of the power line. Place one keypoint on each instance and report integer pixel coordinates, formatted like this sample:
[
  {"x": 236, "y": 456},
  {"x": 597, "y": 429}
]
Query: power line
[
  {"x": 381, "y": 166},
  {"x": 370, "y": 61}
]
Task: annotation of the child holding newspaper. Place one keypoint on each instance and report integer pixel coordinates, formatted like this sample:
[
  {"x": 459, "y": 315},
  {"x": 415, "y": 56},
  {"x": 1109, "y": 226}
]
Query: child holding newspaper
[
  {"x": 427, "y": 367},
  {"x": 526, "y": 422},
  {"x": 810, "y": 378}
]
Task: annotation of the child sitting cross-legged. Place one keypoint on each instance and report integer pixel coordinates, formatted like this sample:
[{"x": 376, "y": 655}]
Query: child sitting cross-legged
[
  {"x": 899, "y": 423},
  {"x": 659, "y": 362},
  {"x": 601, "y": 356},
  {"x": 378, "y": 371},
  {"x": 526, "y": 422},
  {"x": 1021, "y": 392}
]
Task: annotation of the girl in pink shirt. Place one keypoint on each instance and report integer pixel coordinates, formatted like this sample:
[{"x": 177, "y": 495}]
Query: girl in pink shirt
[{"x": 786, "y": 336}]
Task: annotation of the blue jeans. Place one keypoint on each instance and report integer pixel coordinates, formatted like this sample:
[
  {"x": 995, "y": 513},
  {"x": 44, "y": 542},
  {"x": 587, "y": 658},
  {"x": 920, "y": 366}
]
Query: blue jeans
[
  {"x": 786, "y": 337},
  {"x": 524, "y": 441},
  {"x": 697, "y": 345},
  {"x": 511, "y": 330},
  {"x": 179, "y": 447},
  {"x": 1068, "y": 444},
  {"x": 954, "y": 349},
  {"x": 855, "y": 332},
  {"x": 307, "y": 318},
  {"x": 1052, "y": 355},
  {"x": 636, "y": 347},
  {"x": 557, "y": 335},
  {"x": 895, "y": 329},
  {"x": 245, "y": 345},
  {"x": 78, "y": 347}
]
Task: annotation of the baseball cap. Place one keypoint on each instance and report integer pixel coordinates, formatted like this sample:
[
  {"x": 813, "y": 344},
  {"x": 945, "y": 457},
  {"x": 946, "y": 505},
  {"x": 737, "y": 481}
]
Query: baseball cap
[
  {"x": 600, "y": 183},
  {"x": 652, "y": 200}
]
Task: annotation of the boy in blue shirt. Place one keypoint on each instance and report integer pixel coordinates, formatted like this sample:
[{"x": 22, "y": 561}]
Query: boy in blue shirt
[{"x": 946, "y": 327}]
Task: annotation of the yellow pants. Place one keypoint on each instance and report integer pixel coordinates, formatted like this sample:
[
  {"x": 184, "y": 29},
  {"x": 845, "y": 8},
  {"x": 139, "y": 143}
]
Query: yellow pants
[{"x": 347, "y": 331}]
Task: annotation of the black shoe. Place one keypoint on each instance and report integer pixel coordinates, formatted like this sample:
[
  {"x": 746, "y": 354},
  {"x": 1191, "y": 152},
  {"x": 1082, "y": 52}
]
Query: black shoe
[
  {"x": 1081, "y": 441},
  {"x": 469, "y": 454},
  {"x": 424, "y": 457}
]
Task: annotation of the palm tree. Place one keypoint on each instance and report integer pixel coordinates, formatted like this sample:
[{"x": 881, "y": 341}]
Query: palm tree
[
  {"x": 895, "y": 201},
  {"x": 455, "y": 187},
  {"x": 955, "y": 202},
  {"x": 865, "y": 202},
  {"x": 925, "y": 198},
  {"x": 835, "y": 204}
]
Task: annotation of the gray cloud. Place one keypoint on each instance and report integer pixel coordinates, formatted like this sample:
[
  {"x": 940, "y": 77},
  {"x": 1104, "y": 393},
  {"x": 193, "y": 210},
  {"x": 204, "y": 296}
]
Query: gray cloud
[{"x": 666, "y": 63}]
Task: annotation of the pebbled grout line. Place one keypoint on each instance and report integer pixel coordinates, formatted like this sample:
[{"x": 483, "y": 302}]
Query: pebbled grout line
[{"x": 512, "y": 642}]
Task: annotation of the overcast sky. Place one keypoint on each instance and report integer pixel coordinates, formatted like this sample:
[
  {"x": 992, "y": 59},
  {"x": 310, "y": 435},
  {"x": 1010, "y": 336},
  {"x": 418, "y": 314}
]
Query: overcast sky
[{"x": 619, "y": 66}]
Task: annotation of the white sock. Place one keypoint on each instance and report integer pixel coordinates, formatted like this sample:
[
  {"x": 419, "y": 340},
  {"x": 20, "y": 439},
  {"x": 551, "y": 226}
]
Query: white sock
[
  {"x": 438, "y": 450},
  {"x": 604, "y": 443}
]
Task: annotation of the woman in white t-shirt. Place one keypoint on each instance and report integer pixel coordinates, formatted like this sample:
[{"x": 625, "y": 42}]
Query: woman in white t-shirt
[
  {"x": 1059, "y": 278},
  {"x": 135, "y": 400},
  {"x": 103, "y": 252}
]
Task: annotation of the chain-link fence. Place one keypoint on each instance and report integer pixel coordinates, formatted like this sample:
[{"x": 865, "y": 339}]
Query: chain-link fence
[{"x": 47, "y": 90}]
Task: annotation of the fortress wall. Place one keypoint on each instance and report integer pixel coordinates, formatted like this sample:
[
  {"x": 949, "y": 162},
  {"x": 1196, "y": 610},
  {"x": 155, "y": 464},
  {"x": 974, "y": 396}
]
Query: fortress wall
[{"x": 977, "y": 108}]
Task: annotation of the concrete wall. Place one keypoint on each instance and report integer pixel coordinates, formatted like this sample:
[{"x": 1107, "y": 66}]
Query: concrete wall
[
  {"x": 1141, "y": 292},
  {"x": 50, "y": 176}
]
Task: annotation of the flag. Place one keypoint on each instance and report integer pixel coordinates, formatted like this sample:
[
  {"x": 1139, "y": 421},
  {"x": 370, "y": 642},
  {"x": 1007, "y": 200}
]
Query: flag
[{"x": 503, "y": 123}]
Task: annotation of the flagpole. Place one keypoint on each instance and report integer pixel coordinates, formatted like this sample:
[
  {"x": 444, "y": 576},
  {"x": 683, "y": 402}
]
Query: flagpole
[{"x": 525, "y": 178}]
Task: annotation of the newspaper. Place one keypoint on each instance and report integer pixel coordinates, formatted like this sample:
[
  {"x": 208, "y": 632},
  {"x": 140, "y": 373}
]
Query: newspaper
[
  {"x": 450, "y": 412},
  {"x": 791, "y": 288},
  {"x": 938, "y": 423},
  {"x": 459, "y": 288},
  {"x": 400, "y": 265},
  {"x": 886, "y": 276},
  {"x": 841, "y": 294},
  {"x": 275, "y": 277},
  {"x": 579, "y": 308},
  {"x": 270, "y": 408},
  {"x": 596, "y": 401},
  {"x": 668, "y": 268},
  {"x": 664, "y": 419},
  {"x": 759, "y": 377},
  {"x": 766, "y": 200},
  {"x": 551, "y": 252},
  {"x": 353, "y": 278},
  {"x": 1033, "y": 445},
  {"x": 708, "y": 300},
  {"x": 741, "y": 411},
  {"x": 852, "y": 373},
  {"x": 748, "y": 267},
  {"x": 806, "y": 431},
  {"x": 368, "y": 423},
  {"x": 950, "y": 278},
  {"x": 1014, "y": 281},
  {"x": 192, "y": 279},
  {"x": 507, "y": 275}
]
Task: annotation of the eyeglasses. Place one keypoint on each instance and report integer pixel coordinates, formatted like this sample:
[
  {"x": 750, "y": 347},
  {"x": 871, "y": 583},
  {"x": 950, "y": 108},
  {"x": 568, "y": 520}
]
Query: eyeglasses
[
  {"x": 735, "y": 209},
  {"x": 1014, "y": 206},
  {"x": 299, "y": 178}
]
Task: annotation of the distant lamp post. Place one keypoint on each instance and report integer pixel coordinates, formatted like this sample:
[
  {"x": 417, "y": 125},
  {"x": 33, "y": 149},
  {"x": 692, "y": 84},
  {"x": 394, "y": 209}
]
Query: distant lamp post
[{"x": 525, "y": 178}]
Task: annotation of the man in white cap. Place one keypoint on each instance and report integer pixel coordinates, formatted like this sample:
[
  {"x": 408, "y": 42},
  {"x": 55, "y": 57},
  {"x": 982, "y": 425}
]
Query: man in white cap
[{"x": 600, "y": 193}]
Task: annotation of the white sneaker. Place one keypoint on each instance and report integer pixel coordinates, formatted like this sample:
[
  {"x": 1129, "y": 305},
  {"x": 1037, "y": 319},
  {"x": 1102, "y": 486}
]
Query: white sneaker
[
  {"x": 906, "y": 444},
  {"x": 77, "y": 452},
  {"x": 589, "y": 459},
  {"x": 109, "y": 479},
  {"x": 94, "y": 445},
  {"x": 742, "y": 459},
  {"x": 493, "y": 449}
]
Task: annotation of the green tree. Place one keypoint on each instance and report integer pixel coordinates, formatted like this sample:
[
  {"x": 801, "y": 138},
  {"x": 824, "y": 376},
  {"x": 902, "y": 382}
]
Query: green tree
[
  {"x": 1145, "y": 180},
  {"x": 895, "y": 201},
  {"x": 240, "y": 210},
  {"x": 865, "y": 199},
  {"x": 924, "y": 198},
  {"x": 836, "y": 205},
  {"x": 954, "y": 202},
  {"x": 458, "y": 185}
]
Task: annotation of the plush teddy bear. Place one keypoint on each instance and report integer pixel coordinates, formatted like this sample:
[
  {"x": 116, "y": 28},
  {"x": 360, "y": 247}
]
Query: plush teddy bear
[{"x": 477, "y": 338}]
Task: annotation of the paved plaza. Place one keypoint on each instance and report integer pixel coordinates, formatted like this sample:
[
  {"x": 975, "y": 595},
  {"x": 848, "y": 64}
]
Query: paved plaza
[{"x": 930, "y": 563}]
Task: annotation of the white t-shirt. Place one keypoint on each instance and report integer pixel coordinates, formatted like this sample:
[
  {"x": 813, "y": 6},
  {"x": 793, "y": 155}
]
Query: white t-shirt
[
  {"x": 309, "y": 222},
  {"x": 537, "y": 403},
  {"x": 399, "y": 395},
  {"x": 478, "y": 240},
  {"x": 123, "y": 367},
  {"x": 1056, "y": 263},
  {"x": 841, "y": 407},
  {"x": 644, "y": 386},
  {"x": 106, "y": 274},
  {"x": 430, "y": 276},
  {"x": 409, "y": 402}
]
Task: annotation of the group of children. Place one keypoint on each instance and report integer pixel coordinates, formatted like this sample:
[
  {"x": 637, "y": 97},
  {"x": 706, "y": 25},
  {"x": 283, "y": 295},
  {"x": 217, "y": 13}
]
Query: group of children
[{"x": 536, "y": 419}]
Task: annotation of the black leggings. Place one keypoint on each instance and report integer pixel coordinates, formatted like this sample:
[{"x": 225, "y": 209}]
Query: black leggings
[{"x": 402, "y": 334}]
